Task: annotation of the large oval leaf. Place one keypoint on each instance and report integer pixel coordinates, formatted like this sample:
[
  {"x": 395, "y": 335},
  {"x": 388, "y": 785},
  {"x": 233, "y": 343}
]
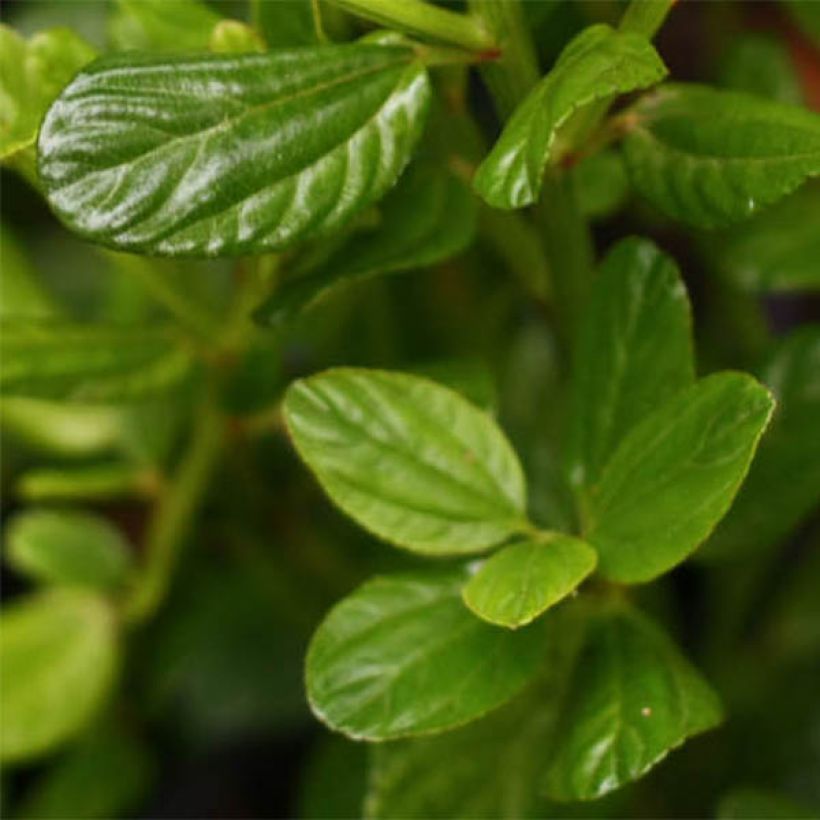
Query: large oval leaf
[
  {"x": 58, "y": 657},
  {"x": 218, "y": 155},
  {"x": 710, "y": 157},
  {"x": 403, "y": 655},
  {"x": 408, "y": 459}
]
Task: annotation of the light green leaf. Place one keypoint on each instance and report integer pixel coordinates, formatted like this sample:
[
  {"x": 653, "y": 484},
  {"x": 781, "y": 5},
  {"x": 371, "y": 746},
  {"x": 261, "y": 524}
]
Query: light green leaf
[
  {"x": 105, "y": 775},
  {"x": 267, "y": 150},
  {"x": 783, "y": 486},
  {"x": 58, "y": 659},
  {"x": 427, "y": 218},
  {"x": 631, "y": 699},
  {"x": 674, "y": 476},
  {"x": 634, "y": 352},
  {"x": 710, "y": 157},
  {"x": 162, "y": 25},
  {"x": 234, "y": 37},
  {"x": 522, "y": 580},
  {"x": 761, "y": 64},
  {"x": 597, "y": 64},
  {"x": 285, "y": 23},
  {"x": 31, "y": 75},
  {"x": 402, "y": 656},
  {"x": 67, "y": 547},
  {"x": 88, "y": 363},
  {"x": 97, "y": 481},
  {"x": 408, "y": 459},
  {"x": 778, "y": 250}
]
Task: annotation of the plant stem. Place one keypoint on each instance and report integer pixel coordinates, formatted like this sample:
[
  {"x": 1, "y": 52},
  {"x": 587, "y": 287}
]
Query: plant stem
[
  {"x": 175, "y": 510},
  {"x": 419, "y": 18},
  {"x": 645, "y": 16}
]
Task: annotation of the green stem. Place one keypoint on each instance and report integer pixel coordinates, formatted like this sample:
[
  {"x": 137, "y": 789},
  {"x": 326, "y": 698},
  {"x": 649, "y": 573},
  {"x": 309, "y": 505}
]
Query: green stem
[
  {"x": 175, "y": 511},
  {"x": 645, "y": 16},
  {"x": 422, "y": 19}
]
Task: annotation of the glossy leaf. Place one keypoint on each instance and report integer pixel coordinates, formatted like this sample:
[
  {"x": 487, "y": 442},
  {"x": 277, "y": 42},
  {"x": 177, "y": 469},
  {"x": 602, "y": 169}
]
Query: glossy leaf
[
  {"x": 408, "y": 459},
  {"x": 775, "y": 251},
  {"x": 710, "y": 157},
  {"x": 402, "y": 656},
  {"x": 783, "y": 486},
  {"x": 631, "y": 699},
  {"x": 67, "y": 547},
  {"x": 88, "y": 363},
  {"x": 597, "y": 64},
  {"x": 162, "y": 25},
  {"x": 33, "y": 73},
  {"x": 427, "y": 218},
  {"x": 267, "y": 149},
  {"x": 674, "y": 476},
  {"x": 58, "y": 657},
  {"x": 634, "y": 352},
  {"x": 522, "y": 580}
]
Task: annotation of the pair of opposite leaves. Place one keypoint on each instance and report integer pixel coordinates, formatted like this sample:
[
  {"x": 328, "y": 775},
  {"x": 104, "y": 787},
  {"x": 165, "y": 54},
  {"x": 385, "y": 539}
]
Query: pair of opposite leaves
[{"x": 213, "y": 155}]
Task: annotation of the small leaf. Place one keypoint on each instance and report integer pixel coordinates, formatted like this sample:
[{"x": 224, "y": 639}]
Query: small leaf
[
  {"x": 768, "y": 506},
  {"x": 58, "y": 658},
  {"x": 88, "y": 363},
  {"x": 162, "y": 25},
  {"x": 522, "y": 580},
  {"x": 402, "y": 655},
  {"x": 32, "y": 75},
  {"x": 234, "y": 37},
  {"x": 429, "y": 217},
  {"x": 408, "y": 459},
  {"x": 632, "y": 698},
  {"x": 597, "y": 64},
  {"x": 710, "y": 157},
  {"x": 674, "y": 476},
  {"x": 67, "y": 547},
  {"x": 634, "y": 352},
  {"x": 268, "y": 148}
]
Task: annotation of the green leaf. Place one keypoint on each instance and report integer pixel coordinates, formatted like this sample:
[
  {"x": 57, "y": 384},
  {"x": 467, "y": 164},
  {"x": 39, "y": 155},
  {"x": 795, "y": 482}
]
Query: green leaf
[
  {"x": 102, "y": 480},
  {"x": 522, "y": 580},
  {"x": 633, "y": 353},
  {"x": 402, "y": 656},
  {"x": 760, "y": 804},
  {"x": 710, "y": 158},
  {"x": 472, "y": 378},
  {"x": 31, "y": 75},
  {"x": 162, "y": 25},
  {"x": 105, "y": 775},
  {"x": 284, "y": 24},
  {"x": 234, "y": 37},
  {"x": 58, "y": 659},
  {"x": 67, "y": 547},
  {"x": 783, "y": 486},
  {"x": 761, "y": 64},
  {"x": 332, "y": 787},
  {"x": 88, "y": 363},
  {"x": 267, "y": 150},
  {"x": 408, "y": 459},
  {"x": 597, "y": 64},
  {"x": 806, "y": 13},
  {"x": 631, "y": 699},
  {"x": 600, "y": 183},
  {"x": 21, "y": 294},
  {"x": 429, "y": 217},
  {"x": 775, "y": 251},
  {"x": 674, "y": 476}
]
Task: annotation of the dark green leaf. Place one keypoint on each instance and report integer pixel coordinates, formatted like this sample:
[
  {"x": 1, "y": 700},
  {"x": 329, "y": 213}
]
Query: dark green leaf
[
  {"x": 58, "y": 658},
  {"x": 402, "y": 656},
  {"x": 67, "y": 547},
  {"x": 520, "y": 581},
  {"x": 783, "y": 486},
  {"x": 469, "y": 377},
  {"x": 21, "y": 294},
  {"x": 601, "y": 185},
  {"x": 674, "y": 476},
  {"x": 88, "y": 363},
  {"x": 267, "y": 149},
  {"x": 334, "y": 781},
  {"x": 103, "y": 776},
  {"x": 759, "y": 804},
  {"x": 634, "y": 352},
  {"x": 710, "y": 157},
  {"x": 761, "y": 64},
  {"x": 284, "y": 23},
  {"x": 429, "y": 217},
  {"x": 162, "y": 25},
  {"x": 597, "y": 64},
  {"x": 632, "y": 698},
  {"x": 408, "y": 459},
  {"x": 33, "y": 73},
  {"x": 806, "y": 14}
]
